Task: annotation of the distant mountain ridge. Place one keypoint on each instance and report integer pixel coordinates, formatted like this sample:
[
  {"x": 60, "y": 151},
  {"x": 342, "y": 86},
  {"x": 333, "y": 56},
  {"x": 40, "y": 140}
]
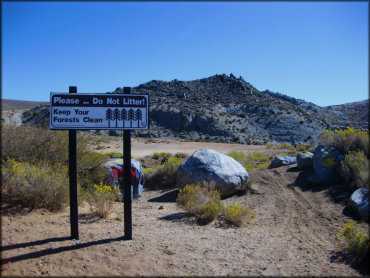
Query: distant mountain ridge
[
  {"x": 10, "y": 104},
  {"x": 225, "y": 108}
]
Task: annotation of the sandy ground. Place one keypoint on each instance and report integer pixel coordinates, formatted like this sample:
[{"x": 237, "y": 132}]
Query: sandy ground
[{"x": 292, "y": 235}]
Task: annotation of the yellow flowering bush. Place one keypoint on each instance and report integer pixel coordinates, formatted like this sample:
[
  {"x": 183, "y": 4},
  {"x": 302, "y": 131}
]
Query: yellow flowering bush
[
  {"x": 355, "y": 168},
  {"x": 203, "y": 201},
  {"x": 349, "y": 139},
  {"x": 238, "y": 215},
  {"x": 102, "y": 198},
  {"x": 354, "y": 241},
  {"x": 34, "y": 186},
  {"x": 164, "y": 174},
  {"x": 251, "y": 161}
]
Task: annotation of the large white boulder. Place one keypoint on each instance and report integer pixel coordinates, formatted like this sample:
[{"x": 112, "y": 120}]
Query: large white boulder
[{"x": 206, "y": 165}]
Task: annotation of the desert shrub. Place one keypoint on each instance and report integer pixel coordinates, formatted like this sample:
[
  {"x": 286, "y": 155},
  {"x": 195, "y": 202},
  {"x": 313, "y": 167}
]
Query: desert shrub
[
  {"x": 162, "y": 156},
  {"x": 31, "y": 144},
  {"x": 350, "y": 139},
  {"x": 40, "y": 145},
  {"x": 251, "y": 161},
  {"x": 164, "y": 174},
  {"x": 203, "y": 201},
  {"x": 354, "y": 241},
  {"x": 238, "y": 215},
  {"x": 101, "y": 198},
  {"x": 283, "y": 146},
  {"x": 34, "y": 186},
  {"x": 90, "y": 169},
  {"x": 27, "y": 144},
  {"x": 115, "y": 155},
  {"x": 355, "y": 168}
]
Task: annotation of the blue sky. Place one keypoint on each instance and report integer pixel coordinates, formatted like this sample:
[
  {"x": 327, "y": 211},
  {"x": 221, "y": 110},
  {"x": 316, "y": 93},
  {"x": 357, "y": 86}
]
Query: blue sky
[{"x": 316, "y": 51}]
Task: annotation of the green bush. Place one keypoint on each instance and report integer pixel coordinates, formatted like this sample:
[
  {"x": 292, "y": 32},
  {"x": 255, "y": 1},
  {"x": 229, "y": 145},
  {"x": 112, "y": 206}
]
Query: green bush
[
  {"x": 115, "y": 155},
  {"x": 354, "y": 241},
  {"x": 34, "y": 186},
  {"x": 203, "y": 201},
  {"x": 27, "y": 144},
  {"x": 162, "y": 156},
  {"x": 40, "y": 145},
  {"x": 238, "y": 215},
  {"x": 251, "y": 161},
  {"x": 101, "y": 199},
  {"x": 163, "y": 175},
  {"x": 355, "y": 168},
  {"x": 90, "y": 169},
  {"x": 350, "y": 139}
]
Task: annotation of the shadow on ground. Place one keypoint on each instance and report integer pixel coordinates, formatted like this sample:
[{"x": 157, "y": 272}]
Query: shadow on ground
[
  {"x": 185, "y": 217},
  {"x": 50, "y": 251},
  {"x": 341, "y": 257},
  {"x": 168, "y": 197},
  {"x": 339, "y": 193}
]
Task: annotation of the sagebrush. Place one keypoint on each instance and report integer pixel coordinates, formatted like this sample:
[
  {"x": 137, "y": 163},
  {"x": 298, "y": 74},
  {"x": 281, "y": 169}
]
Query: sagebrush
[
  {"x": 355, "y": 169},
  {"x": 238, "y": 215},
  {"x": 40, "y": 185},
  {"x": 203, "y": 201},
  {"x": 101, "y": 198},
  {"x": 164, "y": 174},
  {"x": 349, "y": 139},
  {"x": 251, "y": 161},
  {"x": 354, "y": 241}
]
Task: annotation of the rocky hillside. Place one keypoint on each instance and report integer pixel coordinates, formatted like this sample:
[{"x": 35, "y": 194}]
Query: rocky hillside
[{"x": 225, "y": 108}]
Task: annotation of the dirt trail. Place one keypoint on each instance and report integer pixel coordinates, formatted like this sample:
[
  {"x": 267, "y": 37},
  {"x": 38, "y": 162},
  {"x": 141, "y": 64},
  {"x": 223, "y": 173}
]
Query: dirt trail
[
  {"x": 143, "y": 147},
  {"x": 293, "y": 235}
]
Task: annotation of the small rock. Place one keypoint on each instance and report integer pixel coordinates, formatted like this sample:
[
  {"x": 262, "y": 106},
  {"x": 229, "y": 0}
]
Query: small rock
[
  {"x": 304, "y": 160},
  {"x": 279, "y": 161}
]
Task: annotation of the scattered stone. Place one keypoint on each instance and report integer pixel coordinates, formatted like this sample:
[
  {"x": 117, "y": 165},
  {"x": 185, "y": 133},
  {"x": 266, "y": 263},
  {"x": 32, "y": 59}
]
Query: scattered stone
[
  {"x": 326, "y": 163},
  {"x": 279, "y": 161},
  {"x": 359, "y": 202},
  {"x": 206, "y": 165},
  {"x": 305, "y": 160}
]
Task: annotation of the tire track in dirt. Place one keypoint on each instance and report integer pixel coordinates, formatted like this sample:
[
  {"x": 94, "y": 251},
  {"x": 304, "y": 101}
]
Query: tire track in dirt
[{"x": 298, "y": 225}]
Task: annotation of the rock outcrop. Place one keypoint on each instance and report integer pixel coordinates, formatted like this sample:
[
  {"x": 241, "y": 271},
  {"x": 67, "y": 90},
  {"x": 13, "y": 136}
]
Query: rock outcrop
[{"x": 326, "y": 163}]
